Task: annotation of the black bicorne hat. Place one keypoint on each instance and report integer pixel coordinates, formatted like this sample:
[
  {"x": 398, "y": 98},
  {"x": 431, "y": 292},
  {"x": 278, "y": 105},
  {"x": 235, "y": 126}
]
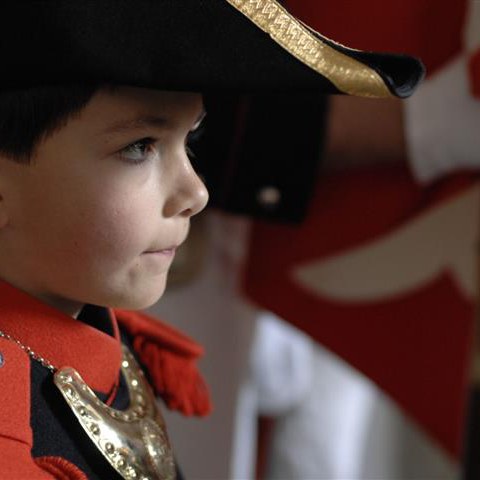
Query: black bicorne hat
[{"x": 196, "y": 45}]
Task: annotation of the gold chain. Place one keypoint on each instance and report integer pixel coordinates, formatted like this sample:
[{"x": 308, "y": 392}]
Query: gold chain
[{"x": 30, "y": 352}]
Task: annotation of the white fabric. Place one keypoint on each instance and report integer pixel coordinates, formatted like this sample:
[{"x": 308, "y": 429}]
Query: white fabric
[
  {"x": 280, "y": 378},
  {"x": 244, "y": 451},
  {"x": 281, "y": 365},
  {"x": 347, "y": 429},
  {"x": 442, "y": 124},
  {"x": 338, "y": 426}
]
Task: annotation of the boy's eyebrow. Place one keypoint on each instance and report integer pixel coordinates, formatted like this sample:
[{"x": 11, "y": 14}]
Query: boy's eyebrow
[{"x": 143, "y": 121}]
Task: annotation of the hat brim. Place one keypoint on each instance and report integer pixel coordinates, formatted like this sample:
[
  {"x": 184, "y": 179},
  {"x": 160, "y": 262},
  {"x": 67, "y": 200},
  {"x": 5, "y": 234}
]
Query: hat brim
[{"x": 194, "y": 45}]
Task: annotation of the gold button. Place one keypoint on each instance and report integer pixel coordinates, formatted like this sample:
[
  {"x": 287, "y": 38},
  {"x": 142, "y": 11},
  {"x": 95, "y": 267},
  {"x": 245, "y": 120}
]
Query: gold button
[{"x": 269, "y": 197}]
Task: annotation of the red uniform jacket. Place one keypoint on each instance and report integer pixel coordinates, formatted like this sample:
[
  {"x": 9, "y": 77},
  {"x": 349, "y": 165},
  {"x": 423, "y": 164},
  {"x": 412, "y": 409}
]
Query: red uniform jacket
[{"x": 39, "y": 437}]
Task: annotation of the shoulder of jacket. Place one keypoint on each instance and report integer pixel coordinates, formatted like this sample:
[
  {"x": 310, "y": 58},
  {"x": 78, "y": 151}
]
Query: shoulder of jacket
[
  {"x": 15, "y": 388},
  {"x": 141, "y": 324},
  {"x": 170, "y": 359}
]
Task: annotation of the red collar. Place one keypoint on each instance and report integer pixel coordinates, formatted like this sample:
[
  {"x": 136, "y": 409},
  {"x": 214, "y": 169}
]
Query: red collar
[{"x": 61, "y": 339}]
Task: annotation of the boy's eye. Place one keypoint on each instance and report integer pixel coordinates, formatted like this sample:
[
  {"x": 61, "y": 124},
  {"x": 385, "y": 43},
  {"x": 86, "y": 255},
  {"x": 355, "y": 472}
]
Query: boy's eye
[
  {"x": 139, "y": 151},
  {"x": 142, "y": 150}
]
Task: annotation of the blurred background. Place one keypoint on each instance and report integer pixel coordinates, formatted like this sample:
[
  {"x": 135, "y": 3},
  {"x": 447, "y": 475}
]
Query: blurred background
[{"x": 333, "y": 281}]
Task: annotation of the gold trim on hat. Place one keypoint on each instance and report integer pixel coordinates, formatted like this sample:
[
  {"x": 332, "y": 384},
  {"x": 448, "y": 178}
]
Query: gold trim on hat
[{"x": 347, "y": 74}]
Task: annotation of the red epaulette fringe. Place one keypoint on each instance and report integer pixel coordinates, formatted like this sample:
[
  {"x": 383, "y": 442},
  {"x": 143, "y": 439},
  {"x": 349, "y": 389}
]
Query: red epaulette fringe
[
  {"x": 170, "y": 358},
  {"x": 60, "y": 468}
]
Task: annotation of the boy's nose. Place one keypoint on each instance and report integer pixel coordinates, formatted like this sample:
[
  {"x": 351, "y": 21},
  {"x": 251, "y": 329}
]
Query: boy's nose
[{"x": 190, "y": 195}]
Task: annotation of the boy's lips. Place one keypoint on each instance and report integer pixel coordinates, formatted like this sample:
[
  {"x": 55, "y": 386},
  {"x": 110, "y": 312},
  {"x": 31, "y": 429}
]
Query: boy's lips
[
  {"x": 165, "y": 251},
  {"x": 170, "y": 249}
]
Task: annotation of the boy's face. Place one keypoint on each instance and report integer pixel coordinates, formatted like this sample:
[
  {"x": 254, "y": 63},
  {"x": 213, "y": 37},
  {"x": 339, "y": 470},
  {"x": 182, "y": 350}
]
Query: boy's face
[{"x": 114, "y": 184}]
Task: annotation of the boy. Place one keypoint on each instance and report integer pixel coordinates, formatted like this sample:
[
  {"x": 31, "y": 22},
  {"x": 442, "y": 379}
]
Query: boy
[{"x": 96, "y": 193}]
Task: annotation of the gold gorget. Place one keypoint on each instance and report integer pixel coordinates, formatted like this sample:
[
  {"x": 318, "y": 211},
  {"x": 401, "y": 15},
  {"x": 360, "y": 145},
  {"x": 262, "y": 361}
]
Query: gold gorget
[{"x": 134, "y": 441}]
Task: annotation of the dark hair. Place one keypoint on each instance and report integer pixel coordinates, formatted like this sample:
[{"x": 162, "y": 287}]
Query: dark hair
[{"x": 30, "y": 115}]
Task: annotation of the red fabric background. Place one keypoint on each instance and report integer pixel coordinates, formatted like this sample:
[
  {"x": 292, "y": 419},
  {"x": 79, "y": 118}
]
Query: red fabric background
[
  {"x": 429, "y": 29},
  {"x": 416, "y": 347}
]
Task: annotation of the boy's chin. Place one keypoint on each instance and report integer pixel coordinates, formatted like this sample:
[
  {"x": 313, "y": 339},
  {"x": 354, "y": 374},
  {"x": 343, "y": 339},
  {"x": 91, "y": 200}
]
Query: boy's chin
[{"x": 140, "y": 300}]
